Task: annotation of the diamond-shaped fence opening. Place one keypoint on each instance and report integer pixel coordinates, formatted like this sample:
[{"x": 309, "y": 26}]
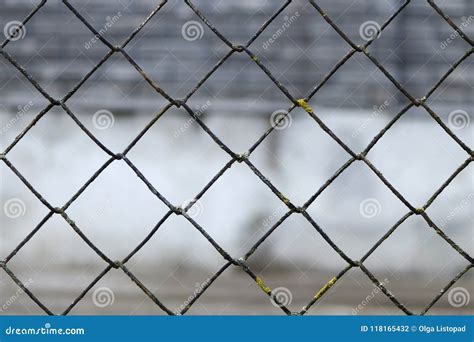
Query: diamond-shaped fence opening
[{"x": 278, "y": 19}]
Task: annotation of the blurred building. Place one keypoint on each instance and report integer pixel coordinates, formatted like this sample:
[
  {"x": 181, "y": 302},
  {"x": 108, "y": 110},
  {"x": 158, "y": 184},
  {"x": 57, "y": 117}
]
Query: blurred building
[{"x": 418, "y": 47}]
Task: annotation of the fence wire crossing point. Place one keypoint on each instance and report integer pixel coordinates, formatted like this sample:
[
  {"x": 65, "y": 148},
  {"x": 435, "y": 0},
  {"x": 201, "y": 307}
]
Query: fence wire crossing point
[{"x": 239, "y": 158}]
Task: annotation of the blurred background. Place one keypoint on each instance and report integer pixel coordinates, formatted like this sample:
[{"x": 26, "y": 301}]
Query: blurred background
[{"x": 237, "y": 102}]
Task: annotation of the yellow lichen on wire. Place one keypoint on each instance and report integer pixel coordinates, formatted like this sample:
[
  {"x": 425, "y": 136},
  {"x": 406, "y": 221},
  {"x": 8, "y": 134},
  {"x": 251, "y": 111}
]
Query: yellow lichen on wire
[
  {"x": 262, "y": 285},
  {"x": 324, "y": 289},
  {"x": 283, "y": 198},
  {"x": 303, "y": 104}
]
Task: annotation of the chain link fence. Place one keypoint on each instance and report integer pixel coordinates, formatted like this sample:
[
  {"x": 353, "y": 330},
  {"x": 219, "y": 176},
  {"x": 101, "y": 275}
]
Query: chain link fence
[{"x": 13, "y": 32}]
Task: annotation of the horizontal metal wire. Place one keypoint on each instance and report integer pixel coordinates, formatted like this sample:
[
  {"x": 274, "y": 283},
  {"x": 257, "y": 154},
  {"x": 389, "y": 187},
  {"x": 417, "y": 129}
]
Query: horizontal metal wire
[{"x": 353, "y": 157}]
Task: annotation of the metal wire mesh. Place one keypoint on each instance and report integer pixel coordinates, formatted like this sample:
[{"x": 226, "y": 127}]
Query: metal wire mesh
[{"x": 239, "y": 158}]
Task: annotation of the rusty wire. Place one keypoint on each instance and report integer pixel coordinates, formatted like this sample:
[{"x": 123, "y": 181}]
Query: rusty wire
[{"x": 240, "y": 158}]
